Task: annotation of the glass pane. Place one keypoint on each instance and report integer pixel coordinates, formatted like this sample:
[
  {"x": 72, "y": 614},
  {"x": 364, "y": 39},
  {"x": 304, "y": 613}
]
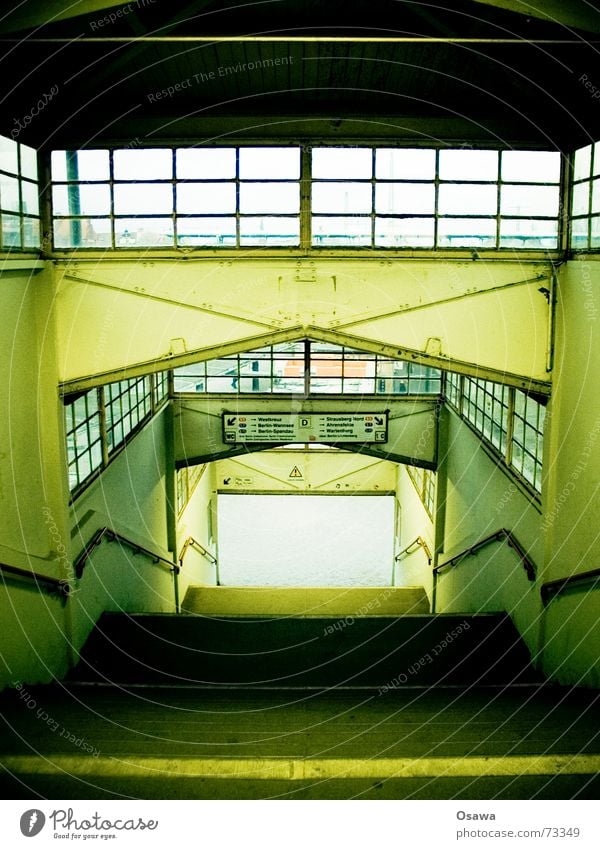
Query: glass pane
[
  {"x": 341, "y": 231},
  {"x": 269, "y": 197},
  {"x": 81, "y": 199},
  {"x": 145, "y": 232},
  {"x": 9, "y": 155},
  {"x": 583, "y": 163},
  {"x": 342, "y": 162},
  {"x": 222, "y": 384},
  {"x": 217, "y": 232},
  {"x": 468, "y": 164},
  {"x": 523, "y": 233},
  {"x": 82, "y": 232},
  {"x": 29, "y": 162},
  {"x": 213, "y": 163},
  {"x": 530, "y": 166},
  {"x": 405, "y": 164},
  {"x": 9, "y": 193},
  {"x": 596, "y": 195},
  {"x": 269, "y": 163},
  {"x": 465, "y": 199},
  {"x": 404, "y": 232},
  {"x": 143, "y": 164},
  {"x": 465, "y": 232},
  {"x": 30, "y": 199},
  {"x": 579, "y": 234},
  {"x": 80, "y": 165},
  {"x": 31, "y": 232},
  {"x": 143, "y": 198},
  {"x": 341, "y": 197},
  {"x": 206, "y": 198},
  {"x": 529, "y": 200},
  {"x": 11, "y": 231},
  {"x": 596, "y": 157},
  {"x": 581, "y": 199},
  {"x": 595, "y": 237},
  {"x": 416, "y": 198},
  {"x": 264, "y": 231}
]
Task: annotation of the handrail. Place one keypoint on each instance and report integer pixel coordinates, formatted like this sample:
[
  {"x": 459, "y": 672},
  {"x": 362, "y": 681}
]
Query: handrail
[
  {"x": 192, "y": 543},
  {"x": 419, "y": 541},
  {"x": 551, "y": 589},
  {"x": 113, "y": 536},
  {"x": 54, "y": 585},
  {"x": 502, "y": 534}
]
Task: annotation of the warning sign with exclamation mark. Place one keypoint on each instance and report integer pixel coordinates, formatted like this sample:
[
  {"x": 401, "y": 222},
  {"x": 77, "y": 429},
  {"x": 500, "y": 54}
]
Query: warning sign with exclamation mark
[{"x": 295, "y": 473}]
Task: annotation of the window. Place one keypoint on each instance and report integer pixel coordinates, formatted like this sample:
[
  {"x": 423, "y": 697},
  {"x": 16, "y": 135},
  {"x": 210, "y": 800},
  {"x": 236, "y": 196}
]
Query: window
[
  {"x": 426, "y": 198},
  {"x": 528, "y": 437},
  {"x": 19, "y": 197},
  {"x": 356, "y": 197},
  {"x": 128, "y": 402},
  {"x": 84, "y": 441},
  {"x": 495, "y": 411},
  {"x": 585, "y": 206},
  {"x": 485, "y": 405},
  {"x": 184, "y": 197},
  {"x": 161, "y": 387},
  {"x": 424, "y": 483},
  {"x": 316, "y": 367},
  {"x": 98, "y": 422},
  {"x": 187, "y": 481}
]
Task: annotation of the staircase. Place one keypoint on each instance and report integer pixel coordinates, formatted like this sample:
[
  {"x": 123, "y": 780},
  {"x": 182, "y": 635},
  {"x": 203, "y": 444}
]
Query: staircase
[
  {"x": 320, "y": 694},
  {"x": 322, "y": 638}
]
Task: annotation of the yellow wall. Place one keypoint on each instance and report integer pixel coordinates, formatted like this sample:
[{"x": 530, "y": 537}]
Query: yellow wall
[{"x": 571, "y": 520}]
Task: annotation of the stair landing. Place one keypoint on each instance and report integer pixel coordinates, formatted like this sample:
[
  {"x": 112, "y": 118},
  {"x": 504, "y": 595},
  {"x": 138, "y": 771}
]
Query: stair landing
[{"x": 306, "y": 601}]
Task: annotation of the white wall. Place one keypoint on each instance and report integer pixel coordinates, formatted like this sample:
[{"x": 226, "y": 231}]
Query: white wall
[{"x": 271, "y": 540}]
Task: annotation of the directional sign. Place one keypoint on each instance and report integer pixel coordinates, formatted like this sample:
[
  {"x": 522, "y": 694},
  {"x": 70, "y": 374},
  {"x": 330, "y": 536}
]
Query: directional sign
[{"x": 281, "y": 428}]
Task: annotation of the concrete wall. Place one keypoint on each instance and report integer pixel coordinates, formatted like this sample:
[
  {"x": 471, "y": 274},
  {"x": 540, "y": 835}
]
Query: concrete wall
[
  {"x": 129, "y": 497},
  {"x": 196, "y": 522},
  {"x": 481, "y": 498},
  {"x": 572, "y": 509},
  {"x": 413, "y": 569},
  {"x": 33, "y": 489}
]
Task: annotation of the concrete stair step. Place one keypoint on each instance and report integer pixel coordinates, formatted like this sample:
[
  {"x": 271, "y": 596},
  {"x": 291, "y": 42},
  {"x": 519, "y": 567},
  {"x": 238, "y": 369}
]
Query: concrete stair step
[
  {"x": 380, "y": 652},
  {"x": 305, "y": 601}
]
